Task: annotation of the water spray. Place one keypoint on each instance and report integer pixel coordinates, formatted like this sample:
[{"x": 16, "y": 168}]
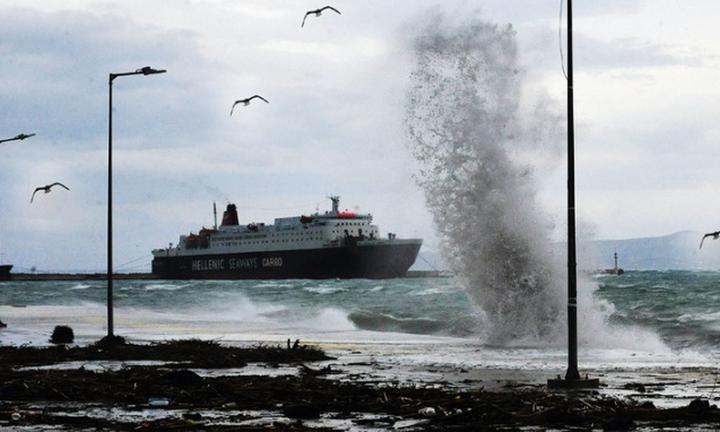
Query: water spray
[{"x": 464, "y": 121}]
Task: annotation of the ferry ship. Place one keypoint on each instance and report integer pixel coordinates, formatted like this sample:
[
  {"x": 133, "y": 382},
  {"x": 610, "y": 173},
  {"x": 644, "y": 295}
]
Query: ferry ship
[{"x": 334, "y": 244}]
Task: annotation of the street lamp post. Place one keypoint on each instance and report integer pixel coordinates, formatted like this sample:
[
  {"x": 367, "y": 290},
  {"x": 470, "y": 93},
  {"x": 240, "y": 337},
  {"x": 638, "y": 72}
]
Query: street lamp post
[
  {"x": 5, "y": 268},
  {"x": 572, "y": 375},
  {"x": 147, "y": 70}
]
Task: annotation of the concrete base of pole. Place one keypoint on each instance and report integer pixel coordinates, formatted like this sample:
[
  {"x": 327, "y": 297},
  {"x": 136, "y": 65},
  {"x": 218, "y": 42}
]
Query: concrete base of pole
[{"x": 573, "y": 384}]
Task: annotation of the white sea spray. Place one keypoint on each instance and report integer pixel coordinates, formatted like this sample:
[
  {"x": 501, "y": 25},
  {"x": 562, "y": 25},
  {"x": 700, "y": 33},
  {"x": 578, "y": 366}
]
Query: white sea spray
[{"x": 473, "y": 132}]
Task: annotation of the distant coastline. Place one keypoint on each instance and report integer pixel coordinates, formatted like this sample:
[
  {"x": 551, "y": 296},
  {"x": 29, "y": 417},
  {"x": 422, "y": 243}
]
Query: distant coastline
[{"x": 678, "y": 251}]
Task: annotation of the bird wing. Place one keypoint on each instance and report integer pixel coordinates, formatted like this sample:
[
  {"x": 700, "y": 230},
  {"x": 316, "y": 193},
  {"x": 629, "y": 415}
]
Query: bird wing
[
  {"x": 33, "y": 195},
  {"x": 305, "y": 17},
  {"x": 233, "y": 107},
  {"x": 712, "y": 234},
  {"x": 332, "y": 9},
  {"x": 58, "y": 184},
  {"x": 260, "y": 97}
]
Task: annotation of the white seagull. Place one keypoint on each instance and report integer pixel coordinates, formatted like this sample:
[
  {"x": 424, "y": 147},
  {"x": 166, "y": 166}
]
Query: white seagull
[
  {"x": 46, "y": 188},
  {"x": 715, "y": 235},
  {"x": 246, "y": 101},
  {"x": 318, "y": 12}
]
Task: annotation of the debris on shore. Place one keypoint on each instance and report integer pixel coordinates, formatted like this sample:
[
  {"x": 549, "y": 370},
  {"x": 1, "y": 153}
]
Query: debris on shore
[{"x": 165, "y": 386}]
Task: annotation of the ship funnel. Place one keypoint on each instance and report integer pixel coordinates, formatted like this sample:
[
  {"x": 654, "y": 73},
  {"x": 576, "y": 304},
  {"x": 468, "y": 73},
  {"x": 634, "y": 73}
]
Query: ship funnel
[
  {"x": 230, "y": 217},
  {"x": 335, "y": 203}
]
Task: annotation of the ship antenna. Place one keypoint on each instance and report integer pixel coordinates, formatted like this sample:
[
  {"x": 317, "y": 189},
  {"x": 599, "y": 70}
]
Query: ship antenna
[{"x": 215, "y": 214}]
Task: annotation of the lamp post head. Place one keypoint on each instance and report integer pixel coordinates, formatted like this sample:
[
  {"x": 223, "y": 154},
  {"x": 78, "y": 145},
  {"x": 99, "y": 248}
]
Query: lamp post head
[
  {"x": 22, "y": 136},
  {"x": 147, "y": 70}
]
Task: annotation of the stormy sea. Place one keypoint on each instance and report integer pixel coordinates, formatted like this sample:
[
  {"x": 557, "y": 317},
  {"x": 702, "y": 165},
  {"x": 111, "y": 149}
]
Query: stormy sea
[
  {"x": 633, "y": 325},
  {"x": 653, "y": 312}
]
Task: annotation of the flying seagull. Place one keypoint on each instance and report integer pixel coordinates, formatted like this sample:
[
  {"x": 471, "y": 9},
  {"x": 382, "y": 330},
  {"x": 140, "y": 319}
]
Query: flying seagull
[
  {"x": 46, "y": 188},
  {"x": 246, "y": 101},
  {"x": 715, "y": 235},
  {"x": 318, "y": 12}
]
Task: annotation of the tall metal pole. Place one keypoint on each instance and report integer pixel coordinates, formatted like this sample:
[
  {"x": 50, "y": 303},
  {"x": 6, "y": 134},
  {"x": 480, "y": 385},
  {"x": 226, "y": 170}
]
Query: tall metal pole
[
  {"x": 572, "y": 371},
  {"x": 572, "y": 376},
  {"x": 110, "y": 331},
  {"x": 5, "y": 269},
  {"x": 147, "y": 70}
]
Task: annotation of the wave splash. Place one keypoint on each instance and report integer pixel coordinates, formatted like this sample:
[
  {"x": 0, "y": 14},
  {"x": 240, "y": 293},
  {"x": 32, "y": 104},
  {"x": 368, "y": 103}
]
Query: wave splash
[{"x": 471, "y": 129}]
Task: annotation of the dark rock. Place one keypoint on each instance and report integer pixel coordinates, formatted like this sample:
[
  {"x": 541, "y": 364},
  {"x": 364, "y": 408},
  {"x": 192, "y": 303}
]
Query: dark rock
[
  {"x": 62, "y": 335},
  {"x": 110, "y": 341},
  {"x": 699, "y": 405}
]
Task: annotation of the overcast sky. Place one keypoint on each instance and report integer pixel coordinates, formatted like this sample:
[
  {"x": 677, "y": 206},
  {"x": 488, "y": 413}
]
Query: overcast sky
[{"x": 646, "y": 93}]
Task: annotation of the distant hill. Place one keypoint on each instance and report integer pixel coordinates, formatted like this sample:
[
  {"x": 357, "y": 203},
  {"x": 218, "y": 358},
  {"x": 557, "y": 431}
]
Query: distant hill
[{"x": 679, "y": 251}]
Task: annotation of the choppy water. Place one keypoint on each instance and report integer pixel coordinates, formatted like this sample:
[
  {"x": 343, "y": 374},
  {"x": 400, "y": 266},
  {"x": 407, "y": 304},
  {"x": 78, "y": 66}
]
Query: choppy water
[
  {"x": 292, "y": 308},
  {"x": 674, "y": 310},
  {"x": 682, "y": 307}
]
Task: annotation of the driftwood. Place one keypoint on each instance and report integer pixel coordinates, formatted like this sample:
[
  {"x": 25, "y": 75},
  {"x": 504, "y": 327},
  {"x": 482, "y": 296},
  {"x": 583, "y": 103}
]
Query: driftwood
[{"x": 38, "y": 396}]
